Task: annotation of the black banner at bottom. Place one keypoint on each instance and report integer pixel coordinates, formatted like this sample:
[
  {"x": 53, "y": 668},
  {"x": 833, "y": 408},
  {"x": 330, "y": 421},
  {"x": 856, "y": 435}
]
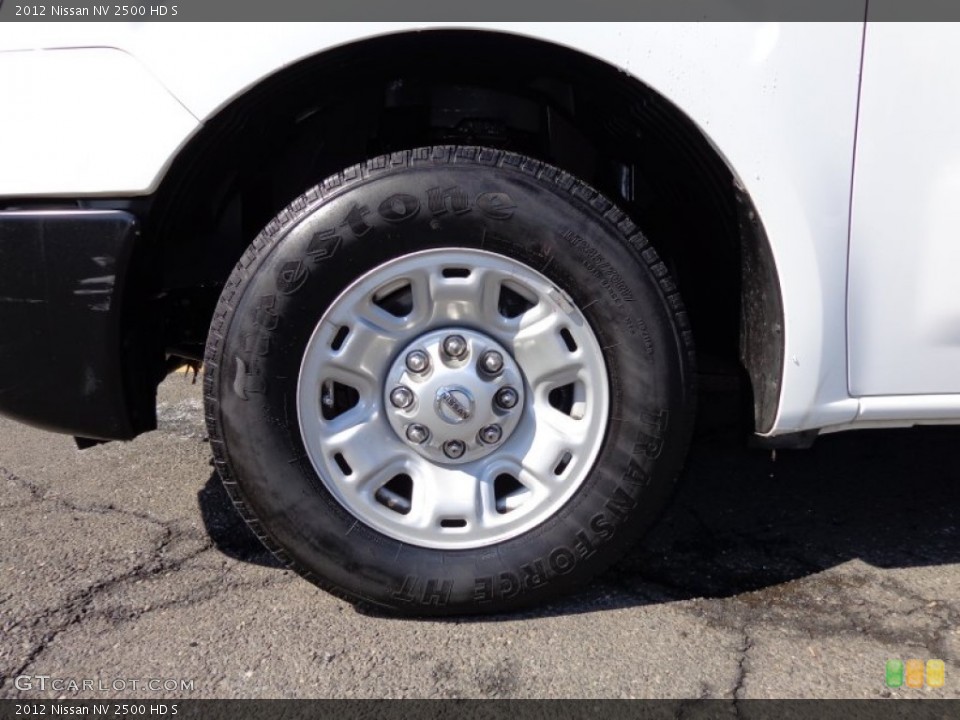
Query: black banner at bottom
[{"x": 485, "y": 709}]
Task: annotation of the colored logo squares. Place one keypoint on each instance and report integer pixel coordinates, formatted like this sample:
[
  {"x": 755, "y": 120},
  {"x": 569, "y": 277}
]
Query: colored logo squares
[
  {"x": 912, "y": 673},
  {"x": 894, "y": 673},
  {"x": 936, "y": 673}
]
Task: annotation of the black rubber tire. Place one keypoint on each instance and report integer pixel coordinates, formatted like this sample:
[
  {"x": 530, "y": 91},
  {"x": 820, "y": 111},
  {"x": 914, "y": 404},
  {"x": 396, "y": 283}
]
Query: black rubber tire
[{"x": 547, "y": 219}]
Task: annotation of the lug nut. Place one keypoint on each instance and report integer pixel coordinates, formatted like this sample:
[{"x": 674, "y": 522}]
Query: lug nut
[
  {"x": 401, "y": 397},
  {"x": 417, "y": 434},
  {"x": 454, "y": 449},
  {"x": 417, "y": 361},
  {"x": 455, "y": 346},
  {"x": 491, "y": 362},
  {"x": 506, "y": 398},
  {"x": 491, "y": 434}
]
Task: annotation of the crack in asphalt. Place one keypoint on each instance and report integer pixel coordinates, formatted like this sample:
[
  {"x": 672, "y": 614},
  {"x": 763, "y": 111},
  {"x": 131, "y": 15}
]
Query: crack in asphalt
[
  {"x": 75, "y": 608},
  {"x": 844, "y": 618},
  {"x": 75, "y": 604},
  {"x": 739, "y": 681},
  {"x": 37, "y": 494}
]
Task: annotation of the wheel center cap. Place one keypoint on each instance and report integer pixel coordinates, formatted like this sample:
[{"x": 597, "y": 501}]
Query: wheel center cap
[
  {"x": 454, "y": 395},
  {"x": 454, "y": 404}
]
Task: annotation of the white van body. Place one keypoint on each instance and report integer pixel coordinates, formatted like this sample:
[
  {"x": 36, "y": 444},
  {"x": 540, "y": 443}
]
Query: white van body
[{"x": 840, "y": 133}]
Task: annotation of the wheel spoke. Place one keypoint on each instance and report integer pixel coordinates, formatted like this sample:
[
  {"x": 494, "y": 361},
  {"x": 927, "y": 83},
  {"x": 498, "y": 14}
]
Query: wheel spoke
[
  {"x": 445, "y": 494},
  {"x": 541, "y": 444},
  {"x": 489, "y": 304},
  {"x": 379, "y": 321},
  {"x": 555, "y": 434},
  {"x": 455, "y": 299},
  {"x": 446, "y": 299},
  {"x": 358, "y": 437},
  {"x": 421, "y": 287},
  {"x": 534, "y": 489},
  {"x": 366, "y": 352},
  {"x": 471, "y": 300},
  {"x": 545, "y": 359}
]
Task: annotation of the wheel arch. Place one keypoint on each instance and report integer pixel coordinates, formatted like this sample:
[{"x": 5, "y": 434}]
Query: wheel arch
[{"x": 387, "y": 93}]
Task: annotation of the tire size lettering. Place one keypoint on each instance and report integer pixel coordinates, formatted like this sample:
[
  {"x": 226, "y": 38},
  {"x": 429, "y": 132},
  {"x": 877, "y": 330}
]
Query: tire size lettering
[{"x": 609, "y": 277}]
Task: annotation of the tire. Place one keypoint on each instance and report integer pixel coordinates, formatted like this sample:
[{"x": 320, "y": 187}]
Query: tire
[{"x": 518, "y": 260}]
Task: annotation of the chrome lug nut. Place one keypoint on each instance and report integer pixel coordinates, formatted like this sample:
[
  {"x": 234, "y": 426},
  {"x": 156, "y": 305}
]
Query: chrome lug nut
[
  {"x": 455, "y": 346},
  {"x": 491, "y": 362},
  {"x": 491, "y": 434},
  {"x": 417, "y": 361},
  {"x": 454, "y": 449},
  {"x": 506, "y": 398},
  {"x": 401, "y": 397},
  {"x": 417, "y": 434}
]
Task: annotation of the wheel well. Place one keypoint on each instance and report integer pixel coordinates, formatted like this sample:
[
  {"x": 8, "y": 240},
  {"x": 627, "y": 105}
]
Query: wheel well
[{"x": 467, "y": 87}]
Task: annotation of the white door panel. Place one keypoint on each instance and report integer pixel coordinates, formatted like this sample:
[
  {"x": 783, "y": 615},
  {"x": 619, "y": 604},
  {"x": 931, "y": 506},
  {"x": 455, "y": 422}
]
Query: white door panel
[{"x": 904, "y": 293}]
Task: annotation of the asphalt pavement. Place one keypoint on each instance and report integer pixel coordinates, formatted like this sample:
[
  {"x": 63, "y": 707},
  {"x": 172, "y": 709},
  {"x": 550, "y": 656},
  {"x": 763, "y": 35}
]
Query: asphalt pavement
[{"x": 798, "y": 575}]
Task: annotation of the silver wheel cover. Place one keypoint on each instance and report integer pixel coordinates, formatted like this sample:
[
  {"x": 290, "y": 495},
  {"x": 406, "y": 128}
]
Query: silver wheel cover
[{"x": 414, "y": 485}]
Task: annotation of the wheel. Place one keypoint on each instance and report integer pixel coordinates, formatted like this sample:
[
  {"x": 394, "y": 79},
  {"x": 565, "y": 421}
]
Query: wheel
[{"x": 449, "y": 380}]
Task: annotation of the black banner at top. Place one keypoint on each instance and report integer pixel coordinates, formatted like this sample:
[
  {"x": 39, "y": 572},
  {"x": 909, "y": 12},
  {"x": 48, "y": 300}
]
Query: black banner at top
[{"x": 486, "y": 11}]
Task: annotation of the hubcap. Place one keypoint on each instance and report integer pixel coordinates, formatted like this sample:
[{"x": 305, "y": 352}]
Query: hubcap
[
  {"x": 452, "y": 398},
  {"x": 455, "y": 399}
]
